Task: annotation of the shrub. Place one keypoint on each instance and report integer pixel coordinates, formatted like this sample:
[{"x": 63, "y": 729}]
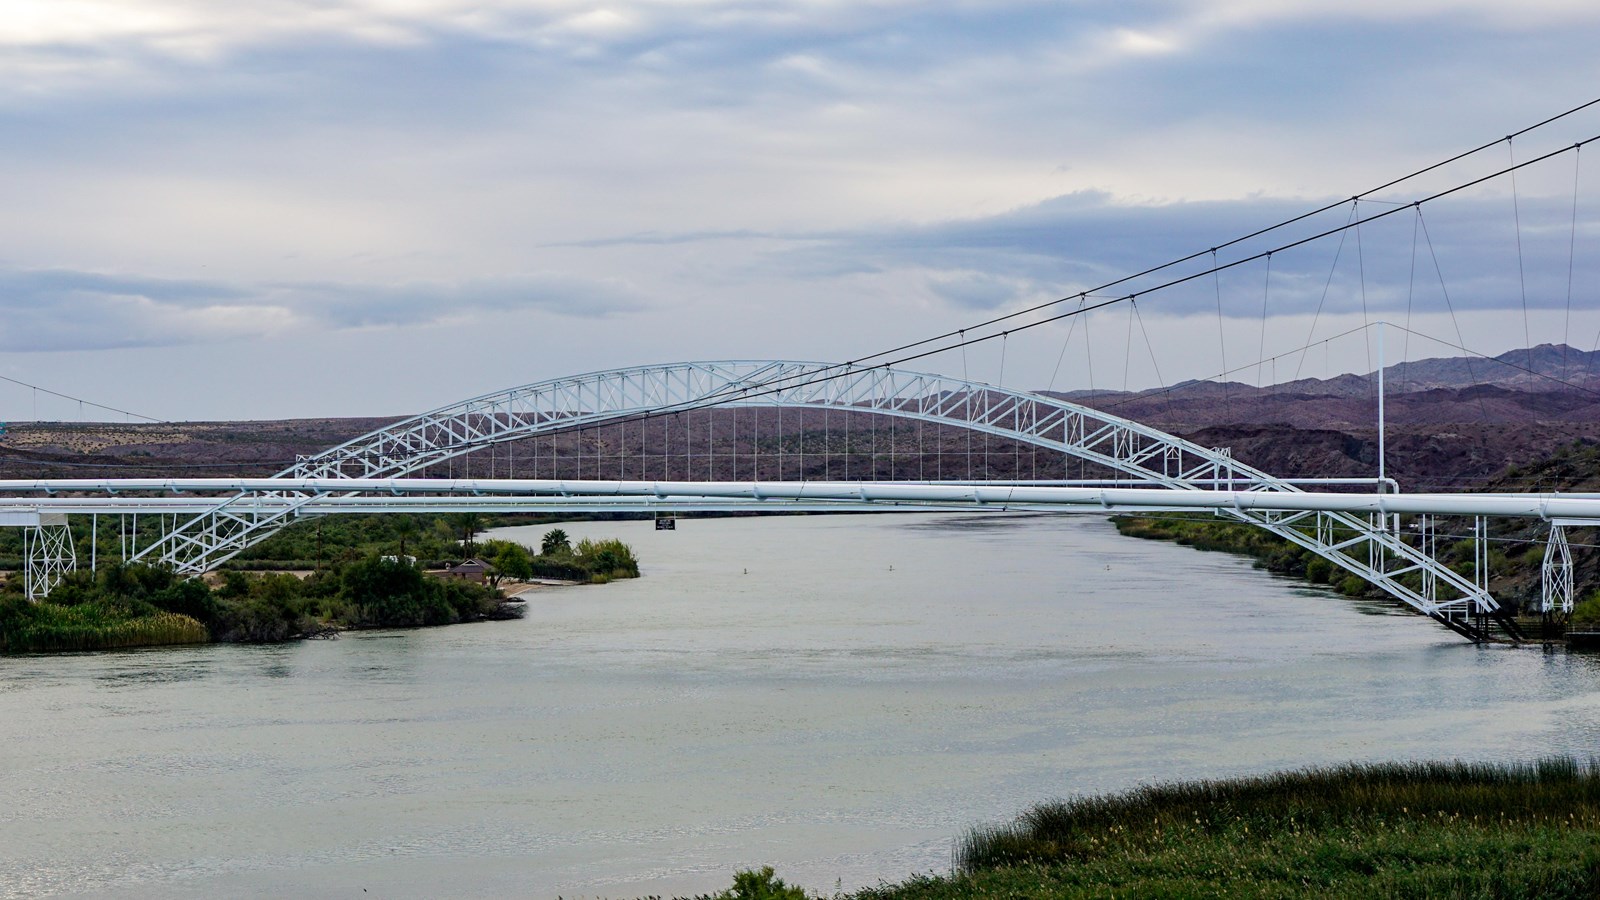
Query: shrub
[
  {"x": 750, "y": 884},
  {"x": 1319, "y": 571},
  {"x": 129, "y": 605},
  {"x": 189, "y": 598},
  {"x": 391, "y": 592},
  {"x": 610, "y": 557},
  {"x": 469, "y": 601},
  {"x": 557, "y": 567},
  {"x": 256, "y": 621},
  {"x": 1587, "y": 611}
]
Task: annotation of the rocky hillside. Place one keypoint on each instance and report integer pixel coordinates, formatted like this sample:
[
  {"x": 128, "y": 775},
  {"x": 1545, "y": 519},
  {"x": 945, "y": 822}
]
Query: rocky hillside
[{"x": 1452, "y": 424}]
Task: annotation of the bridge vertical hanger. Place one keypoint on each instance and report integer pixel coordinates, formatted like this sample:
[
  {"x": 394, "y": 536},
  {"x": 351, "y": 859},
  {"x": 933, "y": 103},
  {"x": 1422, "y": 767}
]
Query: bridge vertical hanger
[
  {"x": 1126, "y": 449},
  {"x": 1381, "y": 473},
  {"x": 1266, "y": 297},
  {"x": 1425, "y": 539}
]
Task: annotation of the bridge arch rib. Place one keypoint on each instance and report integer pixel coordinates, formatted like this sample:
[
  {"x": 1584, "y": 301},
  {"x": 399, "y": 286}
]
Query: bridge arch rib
[{"x": 1364, "y": 548}]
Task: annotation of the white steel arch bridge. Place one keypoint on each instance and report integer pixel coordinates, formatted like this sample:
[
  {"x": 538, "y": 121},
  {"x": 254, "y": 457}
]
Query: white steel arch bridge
[{"x": 207, "y": 521}]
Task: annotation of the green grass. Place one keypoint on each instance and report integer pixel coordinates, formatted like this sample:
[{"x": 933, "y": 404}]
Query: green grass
[
  {"x": 1206, "y": 532},
  {"x": 1387, "y": 830},
  {"x": 47, "y": 627}
]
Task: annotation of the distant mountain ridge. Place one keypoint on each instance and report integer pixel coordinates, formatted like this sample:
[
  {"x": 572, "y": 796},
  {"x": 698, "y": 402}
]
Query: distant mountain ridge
[
  {"x": 1451, "y": 422},
  {"x": 1547, "y": 383},
  {"x": 1545, "y": 368}
]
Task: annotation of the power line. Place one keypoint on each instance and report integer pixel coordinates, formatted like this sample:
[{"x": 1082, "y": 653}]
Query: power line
[
  {"x": 1144, "y": 395},
  {"x": 1238, "y": 240},
  {"x": 823, "y": 373},
  {"x": 1503, "y": 362},
  {"x": 79, "y": 400},
  {"x": 834, "y": 371},
  {"x": 820, "y": 375}
]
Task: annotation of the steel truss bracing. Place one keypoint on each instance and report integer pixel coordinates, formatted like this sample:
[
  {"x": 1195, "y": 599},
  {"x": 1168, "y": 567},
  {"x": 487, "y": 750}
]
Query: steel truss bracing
[
  {"x": 1370, "y": 549},
  {"x": 48, "y": 554},
  {"x": 1555, "y": 595}
]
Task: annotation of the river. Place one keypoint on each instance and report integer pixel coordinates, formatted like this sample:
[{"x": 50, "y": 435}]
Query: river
[{"x": 837, "y": 696}]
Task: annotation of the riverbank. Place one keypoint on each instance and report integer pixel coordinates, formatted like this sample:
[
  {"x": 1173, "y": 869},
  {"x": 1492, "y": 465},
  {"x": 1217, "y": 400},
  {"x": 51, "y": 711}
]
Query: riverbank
[
  {"x": 132, "y": 605},
  {"x": 127, "y": 605},
  {"x": 1270, "y": 552},
  {"x": 1388, "y": 829},
  {"x": 1513, "y": 577}
]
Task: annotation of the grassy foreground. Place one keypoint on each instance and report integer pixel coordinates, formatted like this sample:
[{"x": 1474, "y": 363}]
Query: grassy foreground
[{"x": 1387, "y": 830}]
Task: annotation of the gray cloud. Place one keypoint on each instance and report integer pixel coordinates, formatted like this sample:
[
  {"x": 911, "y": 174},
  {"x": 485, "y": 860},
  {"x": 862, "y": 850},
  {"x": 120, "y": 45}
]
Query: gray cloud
[
  {"x": 54, "y": 310},
  {"x": 377, "y": 175},
  {"x": 420, "y": 303},
  {"x": 1466, "y": 250}
]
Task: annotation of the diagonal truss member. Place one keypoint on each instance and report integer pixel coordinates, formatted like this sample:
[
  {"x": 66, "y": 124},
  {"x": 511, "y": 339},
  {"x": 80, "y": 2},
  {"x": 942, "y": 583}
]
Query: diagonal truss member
[
  {"x": 1368, "y": 549},
  {"x": 48, "y": 554}
]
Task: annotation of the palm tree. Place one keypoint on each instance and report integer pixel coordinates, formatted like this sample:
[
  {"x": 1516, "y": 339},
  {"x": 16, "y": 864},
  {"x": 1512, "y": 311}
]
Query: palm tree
[
  {"x": 468, "y": 523},
  {"x": 555, "y": 541},
  {"x": 405, "y": 528}
]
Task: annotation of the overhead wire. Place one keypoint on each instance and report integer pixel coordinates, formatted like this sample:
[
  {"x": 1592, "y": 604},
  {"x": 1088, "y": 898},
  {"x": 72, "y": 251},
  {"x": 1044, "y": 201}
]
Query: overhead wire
[
  {"x": 1222, "y": 341},
  {"x": 1326, "y": 286},
  {"x": 781, "y": 383},
  {"x": 1150, "y": 394},
  {"x": 831, "y": 371},
  {"x": 1142, "y": 395},
  {"x": 1082, "y": 296},
  {"x": 1411, "y": 288},
  {"x": 1238, "y": 240},
  {"x": 1572, "y": 252},
  {"x": 1508, "y": 363},
  {"x": 1522, "y": 278},
  {"x": 1266, "y": 297},
  {"x": 1361, "y": 274},
  {"x": 825, "y": 373},
  {"x": 1444, "y": 290},
  {"x": 78, "y": 400}
]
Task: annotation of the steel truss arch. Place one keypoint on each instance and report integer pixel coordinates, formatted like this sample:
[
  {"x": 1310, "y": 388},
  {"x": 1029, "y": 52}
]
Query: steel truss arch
[{"x": 1368, "y": 549}]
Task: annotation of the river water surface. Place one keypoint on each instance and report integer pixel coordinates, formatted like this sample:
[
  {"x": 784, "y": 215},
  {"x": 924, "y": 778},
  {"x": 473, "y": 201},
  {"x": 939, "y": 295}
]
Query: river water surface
[{"x": 837, "y": 696}]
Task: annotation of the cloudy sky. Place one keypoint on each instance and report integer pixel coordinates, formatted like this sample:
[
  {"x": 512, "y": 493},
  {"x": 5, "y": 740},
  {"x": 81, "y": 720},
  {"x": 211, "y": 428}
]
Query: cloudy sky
[{"x": 372, "y": 207}]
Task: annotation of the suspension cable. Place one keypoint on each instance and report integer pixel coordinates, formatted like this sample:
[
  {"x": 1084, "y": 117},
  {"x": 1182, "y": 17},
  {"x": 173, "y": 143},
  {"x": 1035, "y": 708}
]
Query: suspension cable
[
  {"x": 781, "y": 383},
  {"x": 78, "y": 400}
]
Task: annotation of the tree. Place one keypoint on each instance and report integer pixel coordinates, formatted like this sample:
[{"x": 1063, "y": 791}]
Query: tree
[
  {"x": 555, "y": 542},
  {"x": 469, "y": 524},
  {"x": 405, "y": 528},
  {"x": 508, "y": 558},
  {"x": 390, "y": 593}
]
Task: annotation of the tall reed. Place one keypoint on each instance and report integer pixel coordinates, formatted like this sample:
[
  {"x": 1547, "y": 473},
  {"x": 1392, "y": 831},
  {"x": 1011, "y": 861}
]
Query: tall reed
[
  {"x": 48, "y": 627},
  {"x": 1557, "y": 790}
]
